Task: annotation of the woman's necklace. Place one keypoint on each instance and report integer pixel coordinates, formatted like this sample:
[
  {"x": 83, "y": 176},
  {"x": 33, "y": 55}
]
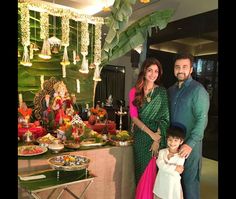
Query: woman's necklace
[{"x": 149, "y": 97}]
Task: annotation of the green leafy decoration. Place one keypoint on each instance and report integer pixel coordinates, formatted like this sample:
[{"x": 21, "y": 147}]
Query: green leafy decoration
[
  {"x": 135, "y": 34},
  {"x": 117, "y": 21}
]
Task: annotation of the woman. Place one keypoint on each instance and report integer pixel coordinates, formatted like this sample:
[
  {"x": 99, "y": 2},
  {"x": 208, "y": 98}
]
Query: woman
[{"x": 149, "y": 113}]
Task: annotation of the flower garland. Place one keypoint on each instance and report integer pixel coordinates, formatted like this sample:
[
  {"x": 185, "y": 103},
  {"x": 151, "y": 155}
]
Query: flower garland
[
  {"x": 25, "y": 25},
  {"x": 97, "y": 45},
  {"x": 44, "y": 25},
  {"x": 65, "y": 26},
  {"x": 84, "y": 38},
  {"x": 57, "y": 10}
]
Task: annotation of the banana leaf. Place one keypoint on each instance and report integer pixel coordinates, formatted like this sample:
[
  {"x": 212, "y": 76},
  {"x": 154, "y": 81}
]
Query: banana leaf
[
  {"x": 135, "y": 34},
  {"x": 118, "y": 20}
]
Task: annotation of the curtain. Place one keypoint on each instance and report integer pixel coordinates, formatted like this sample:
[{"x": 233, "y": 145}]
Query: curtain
[{"x": 113, "y": 82}]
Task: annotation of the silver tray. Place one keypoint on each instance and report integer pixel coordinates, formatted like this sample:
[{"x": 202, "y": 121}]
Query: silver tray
[
  {"x": 84, "y": 144},
  {"x": 121, "y": 143},
  {"x": 68, "y": 162}
]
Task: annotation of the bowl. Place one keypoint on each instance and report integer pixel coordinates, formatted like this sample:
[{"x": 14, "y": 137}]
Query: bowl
[{"x": 56, "y": 147}]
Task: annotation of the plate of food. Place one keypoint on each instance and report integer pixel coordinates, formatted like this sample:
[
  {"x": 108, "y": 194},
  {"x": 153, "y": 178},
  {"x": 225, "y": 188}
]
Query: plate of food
[
  {"x": 68, "y": 162},
  {"x": 31, "y": 150},
  {"x": 71, "y": 144},
  {"x": 92, "y": 142},
  {"x": 121, "y": 138},
  {"x": 46, "y": 140}
]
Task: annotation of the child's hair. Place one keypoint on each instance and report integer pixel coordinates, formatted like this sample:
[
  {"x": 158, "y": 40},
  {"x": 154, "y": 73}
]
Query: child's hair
[{"x": 176, "y": 130}]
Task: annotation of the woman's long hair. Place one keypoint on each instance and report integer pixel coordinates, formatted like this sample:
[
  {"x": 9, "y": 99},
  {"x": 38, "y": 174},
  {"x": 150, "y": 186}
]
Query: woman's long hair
[{"x": 139, "y": 95}]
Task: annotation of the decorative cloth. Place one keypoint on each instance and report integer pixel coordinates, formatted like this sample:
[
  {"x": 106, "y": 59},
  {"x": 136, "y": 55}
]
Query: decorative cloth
[{"x": 145, "y": 186}]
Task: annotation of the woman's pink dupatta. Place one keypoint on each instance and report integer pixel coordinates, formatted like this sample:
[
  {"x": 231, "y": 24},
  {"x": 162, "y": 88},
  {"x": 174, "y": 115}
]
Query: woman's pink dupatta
[{"x": 145, "y": 185}]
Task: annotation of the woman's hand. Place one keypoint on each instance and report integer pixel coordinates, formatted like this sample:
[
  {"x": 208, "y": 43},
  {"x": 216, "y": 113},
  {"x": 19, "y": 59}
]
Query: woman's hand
[
  {"x": 154, "y": 148},
  {"x": 156, "y": 137}
]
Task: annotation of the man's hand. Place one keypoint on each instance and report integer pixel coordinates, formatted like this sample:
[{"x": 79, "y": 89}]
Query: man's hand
[
  {"x": 185, "y": 151},
  {"x": 179, "y": 169}
]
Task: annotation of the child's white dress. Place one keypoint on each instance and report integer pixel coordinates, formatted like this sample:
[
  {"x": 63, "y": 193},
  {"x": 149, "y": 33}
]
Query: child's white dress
[{"x": 167, "y": 184}]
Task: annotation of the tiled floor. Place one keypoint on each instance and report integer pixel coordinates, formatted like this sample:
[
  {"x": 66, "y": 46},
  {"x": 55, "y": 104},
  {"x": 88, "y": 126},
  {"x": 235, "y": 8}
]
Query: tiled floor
[{"x": 209, "y": 179}]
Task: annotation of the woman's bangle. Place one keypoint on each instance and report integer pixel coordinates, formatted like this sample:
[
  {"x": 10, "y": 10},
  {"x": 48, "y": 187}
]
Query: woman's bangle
[{"x": 143, "y": 127}]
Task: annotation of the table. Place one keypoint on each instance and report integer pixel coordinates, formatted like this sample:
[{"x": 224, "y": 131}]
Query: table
[
  {"x": 113, "y": 166},
  {"x": 55, "y": 180}
]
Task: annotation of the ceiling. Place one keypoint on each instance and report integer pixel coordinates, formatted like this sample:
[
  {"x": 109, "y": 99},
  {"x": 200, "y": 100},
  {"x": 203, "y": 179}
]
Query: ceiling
[
  {"x": 193, "y": 27},
  {"x": 197, "y": 34}
]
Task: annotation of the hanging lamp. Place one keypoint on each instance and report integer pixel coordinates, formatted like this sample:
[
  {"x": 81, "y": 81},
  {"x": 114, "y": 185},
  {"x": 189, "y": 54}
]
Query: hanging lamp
[
  {"x": 144, "y": 1},
  {"x": 84, "y": 65},
  {"x": 25, "y": 58},
  {"x": 106, "y": 8},
  {"x": 97, "y": 73},
  {"x": 65, "y": 59},
  {"x": 84, "y": 47},
  {"x": 46, "y": 51}
]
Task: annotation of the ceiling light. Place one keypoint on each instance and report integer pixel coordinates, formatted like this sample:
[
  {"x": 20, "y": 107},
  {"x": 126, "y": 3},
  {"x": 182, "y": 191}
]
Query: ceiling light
[
  {"x": 144, "y": 1},
  {"x": 106, "y": 7}
]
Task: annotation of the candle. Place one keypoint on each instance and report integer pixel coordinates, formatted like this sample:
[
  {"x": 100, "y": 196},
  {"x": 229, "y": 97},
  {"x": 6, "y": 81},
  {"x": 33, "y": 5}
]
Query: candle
[
  {"x": 63, "y": 70},
  {"x": 20, "y": 99},
  {"x": 41, "y": 81},
  {"x": 74, "y": 57},
  {"x": 78, "y": 85}
]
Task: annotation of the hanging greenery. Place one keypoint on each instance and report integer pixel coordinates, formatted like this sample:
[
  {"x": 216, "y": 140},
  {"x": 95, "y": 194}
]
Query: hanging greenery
[{"x": 134, "y": 35}]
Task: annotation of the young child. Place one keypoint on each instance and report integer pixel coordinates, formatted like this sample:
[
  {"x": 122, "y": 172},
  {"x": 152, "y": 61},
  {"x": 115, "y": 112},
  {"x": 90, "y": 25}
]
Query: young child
[{"x": 170, "y": 164}]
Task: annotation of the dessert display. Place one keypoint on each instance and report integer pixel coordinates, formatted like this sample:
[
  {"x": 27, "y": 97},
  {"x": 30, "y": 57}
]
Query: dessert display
[{"x": 68, "y": 162}]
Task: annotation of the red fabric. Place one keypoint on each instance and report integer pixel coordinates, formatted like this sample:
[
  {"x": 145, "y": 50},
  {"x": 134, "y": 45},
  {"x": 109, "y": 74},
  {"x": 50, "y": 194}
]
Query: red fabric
[
  {"x": 145, "y": 185},
  {"x": 133, "y": 110},
  {"x": 37, "y": 131}
]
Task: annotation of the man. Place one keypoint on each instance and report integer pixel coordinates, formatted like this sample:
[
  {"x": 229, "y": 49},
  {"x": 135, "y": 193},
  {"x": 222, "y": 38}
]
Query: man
[{"x": 189, "y": 105}]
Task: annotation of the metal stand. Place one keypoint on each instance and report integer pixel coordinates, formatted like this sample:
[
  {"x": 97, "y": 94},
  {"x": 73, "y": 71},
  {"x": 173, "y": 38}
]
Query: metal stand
[
  {"x": 63, "y": 187},
  {"x": 121, "y": 113}
]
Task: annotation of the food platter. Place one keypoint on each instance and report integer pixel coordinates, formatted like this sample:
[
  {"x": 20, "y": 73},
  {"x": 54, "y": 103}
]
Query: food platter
[
  {"x": 68, "y": 162},
  {"x": 121, "y": 138},
  {"x": 31, "y": 150},
  {"x": 92, "y": 143},
  {"x": 46, "y": 140},
  {"x": 121, "y": 143},
  {"x": 71, "y": 145}
]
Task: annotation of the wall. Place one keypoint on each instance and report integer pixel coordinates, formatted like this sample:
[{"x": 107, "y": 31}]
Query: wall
[{"x": 125, "y": 61}]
